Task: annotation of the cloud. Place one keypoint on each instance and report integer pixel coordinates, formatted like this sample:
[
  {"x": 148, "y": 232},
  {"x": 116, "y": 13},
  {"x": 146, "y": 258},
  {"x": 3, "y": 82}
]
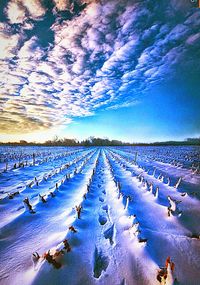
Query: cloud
[
  {"x": 101, "y": 55},
  {"x": 62, "y": 5},
  {"x": 18, "y": 11},
  {"x": 9, "y": 44},
  {"x": 123, "y": 105},
  {"x": 192, "y": 39}
]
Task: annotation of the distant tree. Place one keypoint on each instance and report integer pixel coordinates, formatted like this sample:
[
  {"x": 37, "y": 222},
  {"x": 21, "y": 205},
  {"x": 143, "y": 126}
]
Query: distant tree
[
  {"x": 23, "y": 142},
  {"x": 193, "y": 140}
]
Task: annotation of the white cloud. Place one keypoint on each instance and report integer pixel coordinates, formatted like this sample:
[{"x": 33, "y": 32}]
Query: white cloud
[
  {"x": 34, "y": 8},
  {"x": 8, "y": 45},
  {"x": 62, "y": 5},
  {"x": 16, "y": 13}
]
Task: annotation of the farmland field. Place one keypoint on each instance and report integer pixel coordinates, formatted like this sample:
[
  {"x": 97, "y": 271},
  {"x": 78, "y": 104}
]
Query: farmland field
[{"x": 100, "y": 215}]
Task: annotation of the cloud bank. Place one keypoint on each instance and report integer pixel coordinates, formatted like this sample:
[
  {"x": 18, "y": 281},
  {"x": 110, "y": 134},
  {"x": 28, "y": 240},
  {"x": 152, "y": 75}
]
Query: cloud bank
[{"x": 65, "y": 59}]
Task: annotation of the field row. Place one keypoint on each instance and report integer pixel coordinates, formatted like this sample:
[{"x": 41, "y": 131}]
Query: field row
[{"x": 99, "y": 216}]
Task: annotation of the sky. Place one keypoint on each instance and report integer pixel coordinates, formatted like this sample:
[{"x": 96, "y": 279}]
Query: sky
[{"x": 121, "y": 69}]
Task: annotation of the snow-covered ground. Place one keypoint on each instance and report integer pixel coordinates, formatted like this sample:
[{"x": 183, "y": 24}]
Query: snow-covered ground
[{"x": 104, "y": 215}]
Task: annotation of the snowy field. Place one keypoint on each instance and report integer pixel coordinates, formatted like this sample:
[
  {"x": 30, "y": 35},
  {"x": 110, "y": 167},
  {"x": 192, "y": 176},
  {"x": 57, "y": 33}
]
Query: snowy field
[{"x": 109, "y": 215}]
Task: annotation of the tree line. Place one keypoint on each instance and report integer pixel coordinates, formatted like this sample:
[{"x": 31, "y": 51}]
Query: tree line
[{"x": 93, "y": 141}]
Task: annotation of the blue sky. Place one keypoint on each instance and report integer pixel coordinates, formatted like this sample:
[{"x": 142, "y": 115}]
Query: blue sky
[
  {"x": 155, "y": 118},
  {"x": 126, "y": 70}
]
